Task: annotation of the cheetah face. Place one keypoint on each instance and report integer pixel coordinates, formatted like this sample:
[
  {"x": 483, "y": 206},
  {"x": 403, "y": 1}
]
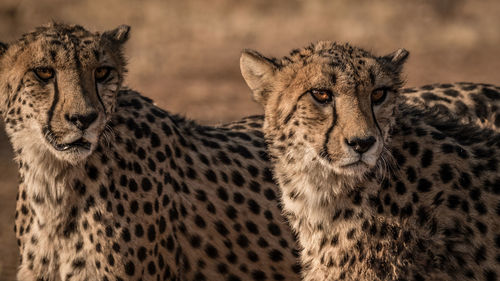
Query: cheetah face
[
  {"x": 327, "y": 106},
  {"x": 59, "y": 86}
]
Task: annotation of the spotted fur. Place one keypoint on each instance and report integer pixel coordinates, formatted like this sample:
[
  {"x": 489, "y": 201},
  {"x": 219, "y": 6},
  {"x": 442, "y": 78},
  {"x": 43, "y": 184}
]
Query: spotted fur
[
  {"x": 467, "y": 102},
  {"x": 133, "y": 193},
  {"x": 419, "y": 201}
]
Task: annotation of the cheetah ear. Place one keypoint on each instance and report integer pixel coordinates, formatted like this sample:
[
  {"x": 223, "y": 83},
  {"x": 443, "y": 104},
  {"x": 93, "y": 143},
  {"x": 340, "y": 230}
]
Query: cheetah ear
[
  {"x": 396, "y": 59},
  {"x": 118, "y": 35},
  {"x": 3, "y": 48},
  {"x": 258, "y": 72}
]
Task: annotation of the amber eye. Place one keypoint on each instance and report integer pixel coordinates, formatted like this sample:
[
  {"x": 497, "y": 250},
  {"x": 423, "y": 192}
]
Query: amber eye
[
  {"x": 321, "y": 96},
  {"x": 378, "y": 96},
  {"x": 101, "y": 73},
  {"x": 44, "y": 73}
]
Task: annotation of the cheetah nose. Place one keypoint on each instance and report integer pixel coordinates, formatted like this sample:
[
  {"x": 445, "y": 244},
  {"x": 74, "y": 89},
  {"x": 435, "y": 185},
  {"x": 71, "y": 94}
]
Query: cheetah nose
[
  {"x": 81, "y": 121},
  {"x": 361, "y": 145}
]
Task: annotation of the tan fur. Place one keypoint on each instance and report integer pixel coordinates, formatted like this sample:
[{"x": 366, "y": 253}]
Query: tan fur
[
  {"x": 142, "y": 194},
  {"x": 394, "y": 216}
]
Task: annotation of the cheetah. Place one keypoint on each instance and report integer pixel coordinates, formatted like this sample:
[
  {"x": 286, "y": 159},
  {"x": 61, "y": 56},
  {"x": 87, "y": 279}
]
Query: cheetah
[
  {"x": 114, "y": 188},
  {"x": 378, "y": 184},
  {"x": 85, "y": 217}
]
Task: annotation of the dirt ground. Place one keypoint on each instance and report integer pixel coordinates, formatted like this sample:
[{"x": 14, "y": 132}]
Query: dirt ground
[{"x": 185, "y": 54}]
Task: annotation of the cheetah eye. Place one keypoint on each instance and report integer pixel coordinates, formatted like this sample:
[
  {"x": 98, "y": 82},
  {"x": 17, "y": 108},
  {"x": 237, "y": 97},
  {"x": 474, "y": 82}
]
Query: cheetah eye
[
  {"x": 378, "y": 96},
  {"x": 321, "y": 96},
  {"x": 101, "y": 73},
  {"x": 44, "y": 73}
]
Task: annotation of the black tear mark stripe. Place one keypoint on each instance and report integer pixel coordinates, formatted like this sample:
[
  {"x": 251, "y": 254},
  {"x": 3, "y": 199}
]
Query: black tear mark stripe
[
  {"x": 109, "y": 79},
  {"x": 99, "y": 97},
  {"x": 325, "y": 152},
  {"x": 294, "y": 109},
  {"x": 376, "y": 122},
  {"x": 55, "y": 100}
]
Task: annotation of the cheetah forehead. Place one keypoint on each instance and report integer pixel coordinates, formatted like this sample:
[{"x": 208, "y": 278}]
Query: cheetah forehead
[
  {"x": 58, "y": 31},
  {"x": 57, "y": 36},
  {"x": 327, "y": 63},
  {"x": 338, "y": 54},
  {"x": 61, "y": 45}
]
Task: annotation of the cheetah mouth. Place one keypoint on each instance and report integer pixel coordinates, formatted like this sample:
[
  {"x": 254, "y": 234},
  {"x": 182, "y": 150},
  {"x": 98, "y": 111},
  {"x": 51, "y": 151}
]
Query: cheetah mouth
[
  {"x": 358, "y": 166},
  {"x": 80, "y": 143},
  {"x": 355, "y": 164}
]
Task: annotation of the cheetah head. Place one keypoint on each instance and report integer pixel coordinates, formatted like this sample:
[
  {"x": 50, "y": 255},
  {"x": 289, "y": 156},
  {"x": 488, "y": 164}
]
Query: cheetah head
[
  {"x": 58, "y": 88},
  {"x": 329, "y": 107}
]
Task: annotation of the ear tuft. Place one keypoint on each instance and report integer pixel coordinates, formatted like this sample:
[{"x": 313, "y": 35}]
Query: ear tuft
[
  {"x": 118, "y": 35},
  {"x": 258, "y": 72},
  {"x": 397, "y": 59},
  {"x": 399, "y": 56}
]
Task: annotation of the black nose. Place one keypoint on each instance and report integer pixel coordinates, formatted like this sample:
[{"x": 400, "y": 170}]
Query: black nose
[
  {"x": 81, "y": 121},
  {"x": 361, "y": 145}
]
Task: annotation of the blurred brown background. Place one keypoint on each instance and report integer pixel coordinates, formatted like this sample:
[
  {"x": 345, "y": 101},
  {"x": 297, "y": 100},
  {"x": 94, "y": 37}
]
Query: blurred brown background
[{"x": 185, "y": 54}]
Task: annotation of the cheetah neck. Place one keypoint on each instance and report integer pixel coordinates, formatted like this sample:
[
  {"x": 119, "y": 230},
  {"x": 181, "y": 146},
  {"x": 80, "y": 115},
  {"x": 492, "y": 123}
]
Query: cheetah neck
[
  {"x": 330, "y": 217},
  {"x": 313, "y": 193},
  {"x": 313, "y": 197},
  {"x": 45, "y": 179}
]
